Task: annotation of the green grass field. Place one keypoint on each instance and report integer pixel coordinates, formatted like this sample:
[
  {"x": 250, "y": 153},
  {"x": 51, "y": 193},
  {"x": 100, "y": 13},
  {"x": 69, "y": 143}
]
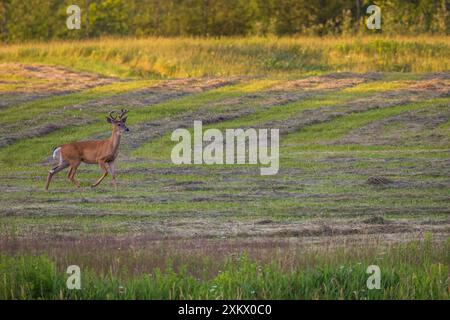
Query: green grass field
[{"x": 363, "y": 180}]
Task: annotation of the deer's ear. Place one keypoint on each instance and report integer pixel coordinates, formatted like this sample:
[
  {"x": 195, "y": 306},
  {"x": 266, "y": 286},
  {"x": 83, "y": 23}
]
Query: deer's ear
[
  {"x": 109, "y": 119},
  {"x": 124, "y": 119}
]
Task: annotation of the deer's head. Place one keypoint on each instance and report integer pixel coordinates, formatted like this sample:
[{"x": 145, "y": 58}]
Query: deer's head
[{"x": 118, "y": 120}]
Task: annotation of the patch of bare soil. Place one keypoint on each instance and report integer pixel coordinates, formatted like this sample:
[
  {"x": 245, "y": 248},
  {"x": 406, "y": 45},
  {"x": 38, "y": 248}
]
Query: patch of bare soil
[
  {"x": 437, "y": 75},
  {"x": 376, "y": 181},
  {"x": 31, "y": 82},
  {"x": 330, "y": 81}
]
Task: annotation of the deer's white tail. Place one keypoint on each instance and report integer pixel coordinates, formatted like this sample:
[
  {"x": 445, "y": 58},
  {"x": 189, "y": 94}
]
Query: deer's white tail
[{"x": 57, "y": 153}]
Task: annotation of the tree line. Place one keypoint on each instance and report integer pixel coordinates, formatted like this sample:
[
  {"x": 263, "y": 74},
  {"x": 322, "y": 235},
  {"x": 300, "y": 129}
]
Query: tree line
[{"x": 45, "y": 19}]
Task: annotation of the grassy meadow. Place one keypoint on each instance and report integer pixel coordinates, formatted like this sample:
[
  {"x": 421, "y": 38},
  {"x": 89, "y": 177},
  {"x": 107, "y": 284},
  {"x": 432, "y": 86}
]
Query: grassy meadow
[
  {"x": 161, "y": 58},
  {"x": 363, "y": 180},
  {"x": 411, "y": 271}
]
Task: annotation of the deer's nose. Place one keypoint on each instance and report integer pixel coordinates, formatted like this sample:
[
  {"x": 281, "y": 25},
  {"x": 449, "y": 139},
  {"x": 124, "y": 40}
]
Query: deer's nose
[{"x": 127, "y": 130}]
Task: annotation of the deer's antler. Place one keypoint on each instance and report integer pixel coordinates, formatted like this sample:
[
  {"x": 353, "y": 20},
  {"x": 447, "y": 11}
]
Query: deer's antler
[
  {"x": 111, "y": 116},
  {"x": 123, "y": 112}
]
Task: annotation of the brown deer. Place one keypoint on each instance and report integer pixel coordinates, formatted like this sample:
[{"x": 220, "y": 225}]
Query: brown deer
[{"x": 102, "y": 152}]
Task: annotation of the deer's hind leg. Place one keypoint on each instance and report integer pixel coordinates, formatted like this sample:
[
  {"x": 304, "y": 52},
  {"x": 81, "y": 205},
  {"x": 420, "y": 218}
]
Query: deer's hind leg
[{"x": 61, "y": 166}]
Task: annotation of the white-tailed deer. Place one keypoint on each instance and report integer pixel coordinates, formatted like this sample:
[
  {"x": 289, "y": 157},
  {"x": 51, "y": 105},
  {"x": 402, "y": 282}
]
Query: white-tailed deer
[{"x": 102, "y": 152}]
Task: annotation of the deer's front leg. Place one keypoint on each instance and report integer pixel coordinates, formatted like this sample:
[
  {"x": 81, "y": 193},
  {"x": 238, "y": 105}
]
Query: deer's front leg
[
  {"x": 112, "y": 171},
  {"x": 102, "y": 165}
]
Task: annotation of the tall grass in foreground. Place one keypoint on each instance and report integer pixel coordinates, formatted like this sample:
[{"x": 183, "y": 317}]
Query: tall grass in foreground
[
  {"x": 415, "y": 270},
  {"x": 192, "y": 57}
]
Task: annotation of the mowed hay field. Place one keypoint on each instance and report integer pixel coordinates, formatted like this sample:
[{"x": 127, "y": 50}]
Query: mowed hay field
[{"x": 364, "y": 173}]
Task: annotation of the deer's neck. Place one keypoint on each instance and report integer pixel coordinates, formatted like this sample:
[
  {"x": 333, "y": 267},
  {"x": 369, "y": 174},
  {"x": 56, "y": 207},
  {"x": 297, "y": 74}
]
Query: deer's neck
[{"x": 114, "y": 140}]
